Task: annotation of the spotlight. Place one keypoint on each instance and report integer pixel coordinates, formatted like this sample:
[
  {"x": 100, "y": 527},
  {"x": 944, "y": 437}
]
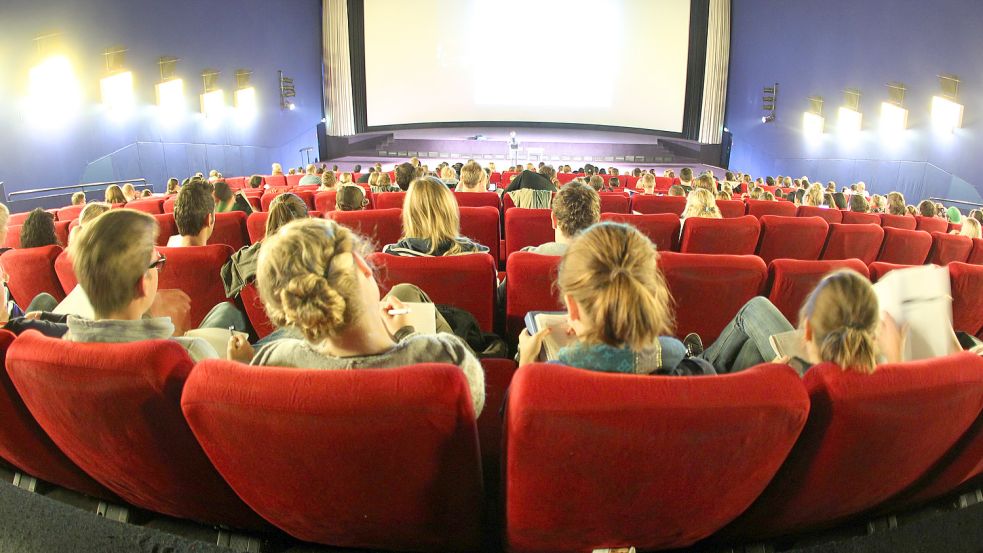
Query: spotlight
[
  {"x": 170, "y": 90},
  {"x": 287, "y": 92},
  {"x": 244, "y": 96},
  {"x": 117, "y": 88},
  {"x": 813, "y": 122},
  {"x": 53, "y": 92},
  {"x": 291, "y": 106},
  {"x": 769, "y": 101},
  {"x": 894, "y": 118},
  {"x": 849, "y": 119},
  {"x": 768, "y": 118},
  {"x": 213, "y": 98},
  {"x": 947, "y": 112}
]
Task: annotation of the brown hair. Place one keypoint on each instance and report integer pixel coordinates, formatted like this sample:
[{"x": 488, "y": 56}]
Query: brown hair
[
  {"x": 858, "y": 204},
  {"x": 895, "y": 203},
  {"x": 38, "y": 229},
  {"x": 676, "y": 190},
  {"x": 192, "y": 207},
  {"x": 814, "y": 195},
  {"x": 405, "y": 173},
  {"x": 283, "y": 209},
  {"x": 430, "y": 211},
  {"x": 114, "y": 195},
  {"x": 610, "y": 270},
  {"x": 705, "y": 182},
  {"x": 844, "y": 318},
  {"x": 927, "y": 209},
  {"x": 350, "y": 198},
  {"x": 576, "y": 207}
]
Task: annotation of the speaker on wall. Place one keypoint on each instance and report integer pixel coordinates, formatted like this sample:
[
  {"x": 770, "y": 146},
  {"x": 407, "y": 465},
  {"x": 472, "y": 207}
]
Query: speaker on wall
[{"x": 726, "y": 139}]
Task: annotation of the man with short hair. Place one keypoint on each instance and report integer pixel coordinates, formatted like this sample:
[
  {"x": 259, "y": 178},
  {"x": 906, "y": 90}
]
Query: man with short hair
[
  {"x": 405, "y": 173},
  {"x": 310, "y": 177},
  {"x": 194, "y": 214},
  {"x": 686, "y": 176},
  {"x": 575, "y": 207},
  {"x": 472, "y": 178}
]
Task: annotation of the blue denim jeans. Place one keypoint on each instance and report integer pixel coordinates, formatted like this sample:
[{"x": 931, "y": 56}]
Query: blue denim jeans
[{"x": 744, "y": 341}]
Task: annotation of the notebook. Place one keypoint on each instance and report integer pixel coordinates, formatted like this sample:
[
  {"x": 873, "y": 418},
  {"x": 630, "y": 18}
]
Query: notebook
[
  {"x": 76, "y": 303},
  {"x": 218, "y": 338},
  {"x": 559, "y": 336},
  {"x": 422, "y": 317},
  {"x": 920, "y": 297}
]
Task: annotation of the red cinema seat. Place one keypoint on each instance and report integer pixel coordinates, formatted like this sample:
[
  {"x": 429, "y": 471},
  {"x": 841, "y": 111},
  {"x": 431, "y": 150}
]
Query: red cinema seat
[
  {"x": 614, "y": 202},
  {"x": 661, "y": 228},
  {"x": 831, "y": 215},
  {"x": 976, "y": 256},
  {"x": 529, "y": 286},
  {"x": 861, "y": 425},
  {"x": 196, "y": 270},
  {"x": 857, "y": 218},
  {"x": 737, "y": 236},
  {"x": 61, "y": 231},
  {"x": 13, "y": 236},
  {"x": 905, "y": 247},
  {"x": 389, "y": 456},
  {"x": 861, "y": 242},
  {"x": 947, "y": 248},
  {"x": 294, "y": 180},
  {"x": 308, "y": 197},
  {"x": 114, "y": 409},
  {"x": 266, "y": 199},
  {"x": 32, "y": 271},
  {"x": 235, "y": 183},
  {"x": 496, "y": 178},
  {"x": 577, "y": 439},
  {"x": 898, "y": 221},
  {"x": 662, "y": 183},
  {"x": 790, "y": 281},
  {"x": 166, "y": 227},
  {"x": 69, "y": 213},
  {"x": 730, "y": 209},
  {"x": 389, "y": 200},
  {"x": 878, "y": 269},
  {"x": 481, "y": 225},
  {"x": 791, "y": 237},
  {"x": 508, "y": 204},
  {"x": 65, "y": 272},
  {"x": 326, "y": 201},
  {"x": 498, "y": 378},
  {"x": 169, "y": 204},
  {"x": 765, "y": 207},
  {"x": 527, "y": 227},
  {"x": 152, "y": 206},
  {"x": 17, "y": 218},
  {"x": 467, "y": 281},
  {"x": 477, "y": 199},
  {"x": 256, "y": 225},
  {"x": 25, "y": 445},
  {"x": 646, "y": 204},
  {"x": 710, "y": 289},
  {"x": 230, "y": 229},
  {"x": 931, "y": 224},
  {"x": 255, "y": 312},
  {"x": 967, "y": 302},
  {"x": 275, "y": 181},
  {"x": 379, "y": 226}
]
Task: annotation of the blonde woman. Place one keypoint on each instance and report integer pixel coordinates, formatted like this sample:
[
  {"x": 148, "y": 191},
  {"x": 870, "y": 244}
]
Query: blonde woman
[
  {"x": 431, "y": 223},
  {"x": 328, "y": 181},
  {"x": 114, "y": 195},
  {"x": 346, "y": 179},
  {"x": 384, "y": 184},
  {"x": 277, "y": 170},
  {"x": 896, "y": 204},
  {"x": 87, "y": 215},
  {"x": 971, "y": 228},
  {"x": 814, "y": 195},
  {"x": 878, "y": 204},
  {"x": 646, "y": 182},
  {"x": 449, "y": 176},
  {"x": 701, "y": 204}
]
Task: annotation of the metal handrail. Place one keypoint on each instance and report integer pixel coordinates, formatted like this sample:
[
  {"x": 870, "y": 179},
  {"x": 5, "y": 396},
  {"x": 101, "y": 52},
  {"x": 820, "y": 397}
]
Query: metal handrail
[
  {"x": 75, "y": 186},
  {"x": 947, "y": 200}
]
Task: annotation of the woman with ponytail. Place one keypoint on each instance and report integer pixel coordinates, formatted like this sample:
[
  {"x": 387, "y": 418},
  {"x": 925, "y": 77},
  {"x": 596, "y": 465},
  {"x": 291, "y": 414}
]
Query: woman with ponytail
[{"x": 701, "y": 204}]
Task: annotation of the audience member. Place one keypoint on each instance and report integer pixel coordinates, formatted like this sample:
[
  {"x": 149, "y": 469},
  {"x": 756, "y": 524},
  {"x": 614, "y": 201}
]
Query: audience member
[
  {"x": 473, "y": 178},
  {"x": 86, "y": 216},
  {"x": 575, "y": 208},
  {"x": 927, "y": 208},
  {"x": 78, "y": 198},
  {"x": 129, "y": 192},
  {"x": 310, "y": 177},
  {"x": 970, "y": 227},
  {"x": 686, "y": 177},
  {"x": 328, "y": 181},
  {"x": 449, "y": 176},
  {"x": 194, "y": 214},
  {"x": 384, "y": 184},
  {"x": 114, "y": 195},
  {"x": 38, "y": 230},
  {"x": 172, "y": 186},
  {"x": 896, "y": 204},
  {"x": 350, "y": 198},
  {"x": 405, "y": 173},
  {"x": 431, "y": 223},
  {"x": 701, "y": 205},
  {"x": 858, "y": 204},
  {"x": 277, "y": 170},
  {"x": 676, "y": 190}
]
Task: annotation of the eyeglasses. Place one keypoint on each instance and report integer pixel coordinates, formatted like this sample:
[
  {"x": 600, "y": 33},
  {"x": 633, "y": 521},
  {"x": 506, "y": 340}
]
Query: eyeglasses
[{"x": 158, "y": 263}]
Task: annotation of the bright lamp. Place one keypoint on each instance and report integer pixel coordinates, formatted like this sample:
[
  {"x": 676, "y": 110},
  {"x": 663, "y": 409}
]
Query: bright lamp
[
  {"x": 946, "y": 114},
  {"x": 213, "y": 103},
  {"x": 170, "y": 96},
  {"x": 813, "y": 124},
  {"x": 894, "y": 118},
  {"x": 53, "y": 92},
  {"x": 848, "y": 121},
  {"x": 117, "y": 92}
]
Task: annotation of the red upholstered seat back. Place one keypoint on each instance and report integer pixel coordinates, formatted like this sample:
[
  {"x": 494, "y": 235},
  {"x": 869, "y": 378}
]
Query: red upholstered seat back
[
  {"x": 764, "y": 207},
  {"x": 790, "y": 281},
  {"x": 976, "y": 256},
  {"x": 379, "y": 226},
  {"x": 831, "y": 215},
  {"x": 905, "y": 247},
  {"x": 389, "y": 200},
  {"x": 169, "y": 204},
  {"x": 661, "y": 228},
  {"x": 32, "y": 271},
  {"x": 614, "y": 202},
  {"x": 857, "y": 218},
  {"x": 255, "y": 312},
  {"x": 13, "y": 236},
  {"x": 464, "y": 281},
  {"x": 658, "y": 204},
  {"x": 731, "y": 208},
  {"x": 17, "y": 218},
  {"x": 481, "y": 225},
  {"x": 326, "y": 201},
  {"x": 382, "y": 458},
  {"x": 152, "y": 206},
  {"x": 898, "y": 221},
  {"x": 24, "y": 444},
  {"x": 61, "y": 231},
  {"x": 256, "y": 225},
  {"x": 738, "y": 236},
  {"x": 791, "y": 237},
  {"x": 196, "y": 270},
  {"x": 861, "y": 242},
  {"x": 710, "y": 289},
  {"x": 273, "y": 181},
  {"x": 948, "y": 248},
  {"x": 967, "y": 300},
  {"x": 879, "y": 268},
  {"x": 860, "y": 446},
  {"x": 114, "y": 409},
  {"x": 166, "y": 227},
  {"x": 577, "y": 440},
  {"x": 931, "y": 224},
  {"x": 230, "y": 229},
  {"x": 478, "y": 199},
  {"x": 530, "y": 280},
  {"x": 294, "y": 180},
  {"x": 527, "y": 227},
  {"x": 65, "y": 272},
  {"x": 70, "y": 212}
]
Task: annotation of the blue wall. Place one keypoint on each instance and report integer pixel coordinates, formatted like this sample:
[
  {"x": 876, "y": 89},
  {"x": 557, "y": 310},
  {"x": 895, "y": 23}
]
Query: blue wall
[
  {"x": 226, "y": 35},
  {"x": 822, "y": 48}
]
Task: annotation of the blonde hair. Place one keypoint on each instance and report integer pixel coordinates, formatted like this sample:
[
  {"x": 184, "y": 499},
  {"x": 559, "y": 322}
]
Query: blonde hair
[
  {"x": 472, "y": 175},
  {"x": 971, "y": 228},
  {"x": 448, "y": 173},
  {"x": 647, "y": 182},
  {"x": 91, "y": 211},
  {"x": 328, "y": 180},
  {"x": 277, "y": 169},
  {"x": 844, "y": 317},
  {"x": 757, "y": 192},
  {"x": 114, "y": 195},
  {"x": 283, "y": 209},
  {"x": 306, "y": 275},
  {"x": 346, "y": 178},
  {"x": 129, "y": 192},
  {"x": 383, "y": 179},
  {"x": 814, "y": 195},
  {"x": 430, "y": 211},
  {"x": 705, "y": 182},
  {"x": 610, "y": 270},
  {"x": 111, "y": 255},
  {"x": 374, "y": 178},
  {"x": 896, "y": 204},
  {"x": 701, "y": 204},
  {"x": 78, "y": 198},
  {"x": 4, "y": 216}
]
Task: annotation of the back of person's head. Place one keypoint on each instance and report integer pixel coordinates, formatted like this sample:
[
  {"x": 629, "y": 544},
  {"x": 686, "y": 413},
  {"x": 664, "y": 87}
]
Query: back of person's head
[
  {"x": 858, "y": 204},
  {"x": 350, "y": 198},
  {"x": 310, "y": 169},
  {"x": 91, "y": 211},
  {"x": 647, "y": 182},
  {"x": 548, "y": 172},
  {"x": 686, "y": 174},
  {"x": 843, "y": 317},
  {"x": 701, "y": 204},
  {"x": 756, "y": 192},
  {"x": 38, "y": 230},
  {"x": 614, "y": 182},
  {"x": 78, "y": 198},
  {"x": 770, "y": 181},
  {"x": 283, "y": 209},
  {"x": 471, "y": 175},
  {"x": 724, "y": 195},
  {"x": 383, "y": 180},
  {"x": 768, "y": 197},
  {"x": 110, "y": 256},
  {"x": 448, "y": 173},
  {"x": 193, "y": 207},
  {"x": 575, "y": 208},
  {"x": 971, "y": 228},
  {"x": 895, "y": 203},
  {"x": 255, "y": 181},
  {"x": 4, "y": 216},
  {"x": 114, "y": 195},
  {"x": 705, "y": 182},
  {"x": 973, "y": 214},
  {"x": 306, "y": 275},
  {"x": 430, "y": 211},
  {"x": 596, "y": 182},
  {"x": 676, "y": 190},
  {"x": 222, "y": 191},
  {"x": 610, "y": 270},
  {"x": 129, "y": 192},
  {"x": 172, "y": 186},
  {"x": 277, "y": 169},
  {"x": 328, "y": 180},
  {"x": 405, "y": 173},
  {"x": 728, "y": 176},
  {"x": 927, "y": 209},
  {"x": 814, "y": 195},
  {"x": 954, "y": 215}
]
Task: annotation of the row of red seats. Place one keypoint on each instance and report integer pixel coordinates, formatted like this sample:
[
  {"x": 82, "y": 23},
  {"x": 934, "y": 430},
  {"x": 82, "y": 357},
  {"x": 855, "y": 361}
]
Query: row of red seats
[{"x": 391, "y": 458}]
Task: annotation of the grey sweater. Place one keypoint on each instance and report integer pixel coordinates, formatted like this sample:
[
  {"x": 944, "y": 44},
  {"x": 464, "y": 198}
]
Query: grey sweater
[
  {"x": 118, "y": 332},
  {"x": 410, "y": 349}
]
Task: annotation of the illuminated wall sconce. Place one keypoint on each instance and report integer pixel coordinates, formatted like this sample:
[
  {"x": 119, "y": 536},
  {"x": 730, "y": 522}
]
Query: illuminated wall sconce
[
  {"x": 213, "y": 97},
  {"x": 117, "y": 87},
  {"x": 894, "y": 117},
  {"x": 244, "y": 97},
  {"x": 53, "y": 93},
  {"x": 287, "y": 92},
  {"x": 849, "y": 119},
  {"x": 170, "y": 89},
  {"x": 769, "y": 103},
  {"x": 947, "y": 113},
  {"x": 813, "y": 122}
]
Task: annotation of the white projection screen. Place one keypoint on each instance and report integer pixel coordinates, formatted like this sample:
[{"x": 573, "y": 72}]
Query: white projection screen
[{"x": 592, "y": 62}]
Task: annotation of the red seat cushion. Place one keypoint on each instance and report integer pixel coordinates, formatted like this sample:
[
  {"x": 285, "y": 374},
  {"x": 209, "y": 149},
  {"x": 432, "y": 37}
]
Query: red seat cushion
[
  {"x": 737, "y": 236},
  {"x": 481, "y": 225},
  {"x": 17, "y": 218},
  {"x": 577, "y": 440},
  {"x": 389, "y": 200},
  {"x": 658, "y": 204},
  {"x": 613, "y": 202},
  {"x": 878, "y": 269},
  {"x": 931, "y": 224},
  {"x": 478, "y": 199},
  {"x": 255, "y": 311},
  {"x": 230, "y": 229},
  {"x": 467, "y": 281},
  {"x": 830, "y": 215},
  {"x": 857, "y": 218},
  {"x": 196, "y": 270},
  {"x": 530, "y": 279},
  {"x": 385, "y": 458},
  {"x": 661, "y": 228},
  {"x": 898, "y": 221},
  {"x": 731, "y": 208},
  {"x": 65, "y": 272},
  {"x": 114, "y": 410},
  {"x": 498, "y": 378},
  {"x": 859, "y": 448},
  {"x": 708, "y": 290},
  {"x": 905, "y": 247},
  {"x": 152, "y": 206},
  {"x": 764, "y": 207},
  {"x": 379, "y": 226},
  {"x": 790, "y": 281},
  {"x": 166, "y": 227},
  {"x": 791, "y": 237},
  {"x": 967, "y": 302},
  {"x": 70, "y": 212},
  {"x": 256, "y": 225},
  {"x": 272, "y": 181},
  {"x": 976, "y": 256},
  {"x": 948, "y": 248},
  {"x": 527, "y": 227},
  {"x": 169, "y": 204},
  {"x": 32, "y": 271},
  {"x": 846, "y": 241},
  {"x": 326, "y": 201}
]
